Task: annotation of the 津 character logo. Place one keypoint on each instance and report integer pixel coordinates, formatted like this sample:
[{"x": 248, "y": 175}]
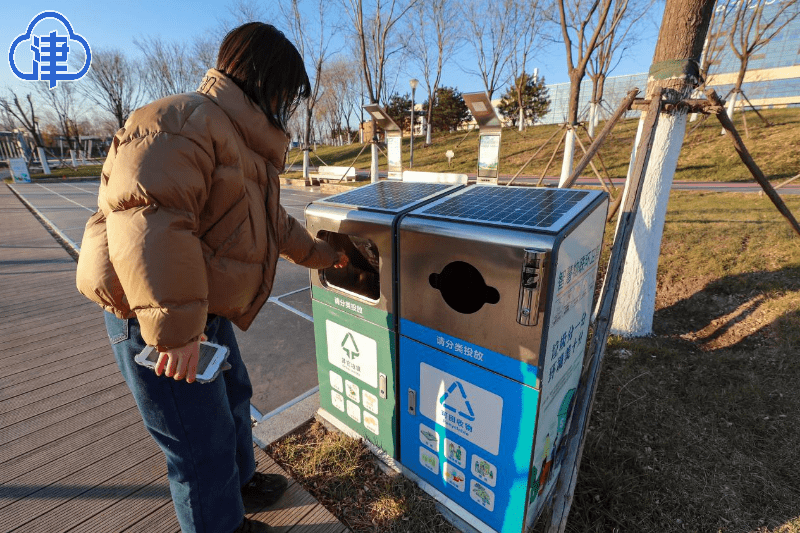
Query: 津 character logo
[{"x": 50, "y": 52}]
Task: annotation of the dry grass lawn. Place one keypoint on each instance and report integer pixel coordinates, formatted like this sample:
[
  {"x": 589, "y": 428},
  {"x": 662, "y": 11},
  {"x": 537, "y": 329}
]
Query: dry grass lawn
[{"x": 706, "y": 155}]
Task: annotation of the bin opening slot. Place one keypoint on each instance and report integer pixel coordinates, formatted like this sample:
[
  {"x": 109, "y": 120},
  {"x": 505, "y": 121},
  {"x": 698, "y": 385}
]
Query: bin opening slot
[
  {"x": 463, "y": 287},
  {"x": 362, "y": 274}
]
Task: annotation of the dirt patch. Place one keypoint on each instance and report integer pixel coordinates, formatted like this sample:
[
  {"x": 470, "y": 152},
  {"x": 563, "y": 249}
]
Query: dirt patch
[{"x": 342, "y": 474}]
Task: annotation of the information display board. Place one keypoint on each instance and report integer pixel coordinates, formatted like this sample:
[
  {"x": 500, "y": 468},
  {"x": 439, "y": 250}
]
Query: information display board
[
  {"x": 19, "y": 170},
  {"x": 490, "y": 127}
]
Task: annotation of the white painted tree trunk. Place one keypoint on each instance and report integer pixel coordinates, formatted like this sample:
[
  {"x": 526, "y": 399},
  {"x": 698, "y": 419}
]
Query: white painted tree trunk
[
  {"x": 373, "y": 169},
  {"x": 43, "y": 160},
  {"x": 521, "y": 120},
  {"x": 569, "y": 149},
  {"x": 730, "y": 108},
  {"x": 636, "y": 301},
  {"x": 592, "y": 118},
  {"x": 306, "y": 163},
  {"x": 428, "y": 133}
]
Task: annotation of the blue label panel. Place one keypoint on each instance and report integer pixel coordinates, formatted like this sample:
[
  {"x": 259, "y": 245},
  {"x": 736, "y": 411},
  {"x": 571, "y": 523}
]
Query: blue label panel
[
  {"x": 502, "y": 364},
  {"x": 471, "y": 436}
]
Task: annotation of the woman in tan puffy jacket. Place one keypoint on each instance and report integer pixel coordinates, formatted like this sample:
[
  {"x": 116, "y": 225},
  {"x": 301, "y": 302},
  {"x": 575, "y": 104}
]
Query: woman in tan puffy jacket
[{"x": 185, "y": 242}]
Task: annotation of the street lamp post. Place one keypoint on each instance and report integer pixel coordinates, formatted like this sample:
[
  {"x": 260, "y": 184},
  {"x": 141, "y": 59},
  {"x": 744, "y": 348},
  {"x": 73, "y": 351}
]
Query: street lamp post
[{"x": 413, "y": 82}]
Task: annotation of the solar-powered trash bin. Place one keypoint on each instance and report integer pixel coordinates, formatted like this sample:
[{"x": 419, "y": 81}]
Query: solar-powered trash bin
[
  {"x": 496, "y": 285},
  {"x": 354, "y": 308}
]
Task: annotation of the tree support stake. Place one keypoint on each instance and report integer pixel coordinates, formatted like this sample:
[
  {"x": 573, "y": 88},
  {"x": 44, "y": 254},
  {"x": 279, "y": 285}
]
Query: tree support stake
[{"x": 748, "y": 161}]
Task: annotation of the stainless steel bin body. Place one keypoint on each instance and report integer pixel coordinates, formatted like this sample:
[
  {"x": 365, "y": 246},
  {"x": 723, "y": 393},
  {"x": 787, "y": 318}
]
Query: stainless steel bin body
[
  {"x": 496, "y": 285},
  {"x": 355, "y": 308}
]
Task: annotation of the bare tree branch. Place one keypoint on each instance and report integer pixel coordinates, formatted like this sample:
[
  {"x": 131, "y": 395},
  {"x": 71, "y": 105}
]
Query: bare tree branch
[
  {"x": 27, "y": 118},
  {"x": 436, "y": 37},
  {"x": 169, "y": 68},
  {"x": 585, "y": 25},
  {"x": 63, "y": 104},
  {"x": 113, "y": 83},
  {"x": 618, "y": 39},
  {"x": 755, "y": 23},
  {"x": 527, "y": 38},
  {"x": 374, "y": 34},
  {"x": 339, "y": 100},
  {"x": 490, "y": 23},
  {"x": 309, "y": 35}
]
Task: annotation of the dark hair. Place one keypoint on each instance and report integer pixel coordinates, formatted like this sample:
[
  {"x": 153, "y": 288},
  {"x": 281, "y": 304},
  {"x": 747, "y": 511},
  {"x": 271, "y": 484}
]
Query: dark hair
[{"x": 267, "y": 67}]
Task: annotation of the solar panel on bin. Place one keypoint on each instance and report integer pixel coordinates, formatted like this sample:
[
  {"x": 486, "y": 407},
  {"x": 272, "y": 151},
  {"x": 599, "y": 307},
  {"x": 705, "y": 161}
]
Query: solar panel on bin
[
  {"x": 508, "y": 206},
  {"x": 390, "y": 196}
]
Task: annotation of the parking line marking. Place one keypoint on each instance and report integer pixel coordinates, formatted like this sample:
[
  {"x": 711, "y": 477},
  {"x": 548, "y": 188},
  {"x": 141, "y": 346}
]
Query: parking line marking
[{"x": 65, "y": 198}]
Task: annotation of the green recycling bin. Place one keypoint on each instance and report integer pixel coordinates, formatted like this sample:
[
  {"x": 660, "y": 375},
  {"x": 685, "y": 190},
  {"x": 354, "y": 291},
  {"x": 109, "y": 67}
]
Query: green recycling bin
[{"x": 355, "y": 308}]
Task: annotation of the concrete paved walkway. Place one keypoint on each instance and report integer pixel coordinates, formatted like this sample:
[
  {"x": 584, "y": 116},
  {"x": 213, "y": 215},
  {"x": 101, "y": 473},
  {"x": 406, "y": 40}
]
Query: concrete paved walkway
[{"x": 75, "y": 455}]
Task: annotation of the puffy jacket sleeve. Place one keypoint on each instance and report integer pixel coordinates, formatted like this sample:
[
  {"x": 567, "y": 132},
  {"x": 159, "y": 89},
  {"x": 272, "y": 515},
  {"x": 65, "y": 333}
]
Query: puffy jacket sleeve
[
  {"x": 300, "y": 247},
  {"x": 155, "y": 193}
]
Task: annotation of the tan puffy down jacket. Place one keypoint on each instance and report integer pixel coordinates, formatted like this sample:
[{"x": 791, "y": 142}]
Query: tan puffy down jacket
[{"x": 189, "y": 220}]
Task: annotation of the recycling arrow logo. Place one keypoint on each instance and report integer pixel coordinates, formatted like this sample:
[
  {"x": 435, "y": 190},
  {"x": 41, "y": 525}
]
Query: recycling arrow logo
[
  {"x": 461, "y": 403},
  {"x": 349, "y": 346}
]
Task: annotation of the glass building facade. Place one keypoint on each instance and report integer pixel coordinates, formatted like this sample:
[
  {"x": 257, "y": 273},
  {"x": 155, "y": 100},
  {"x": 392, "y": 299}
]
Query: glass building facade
[{"x": 773, "y": 69}]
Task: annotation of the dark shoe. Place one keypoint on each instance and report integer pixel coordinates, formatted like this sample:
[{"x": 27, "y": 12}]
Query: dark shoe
[
  {"x": 254, "y": 526},
  {"x": 262, "y": 491}
]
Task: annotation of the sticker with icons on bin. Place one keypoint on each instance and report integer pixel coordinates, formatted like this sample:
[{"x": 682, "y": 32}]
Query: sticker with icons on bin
[
  {"x": 371, "y": 423},
  {"x": 455, "y": 453},
  {"x": 484, "y": 470},
  {"x": 429, "y": 460},
  {"x": 429, "y": 437}
]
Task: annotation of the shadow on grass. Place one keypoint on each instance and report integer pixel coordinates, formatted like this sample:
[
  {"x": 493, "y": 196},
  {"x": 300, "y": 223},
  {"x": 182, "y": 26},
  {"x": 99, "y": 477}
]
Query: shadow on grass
[
  {"x": 695, "y": 428},
  {"x": 724, "y": 307}
]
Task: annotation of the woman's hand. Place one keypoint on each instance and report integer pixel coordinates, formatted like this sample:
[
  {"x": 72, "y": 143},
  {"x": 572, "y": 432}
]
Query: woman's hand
[
  {"x": 180, "y": 363},
  {"x": 341, "y": 260}
]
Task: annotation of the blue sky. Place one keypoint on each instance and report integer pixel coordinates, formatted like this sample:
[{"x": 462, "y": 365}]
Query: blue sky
[{"x": 118, "y": 24}]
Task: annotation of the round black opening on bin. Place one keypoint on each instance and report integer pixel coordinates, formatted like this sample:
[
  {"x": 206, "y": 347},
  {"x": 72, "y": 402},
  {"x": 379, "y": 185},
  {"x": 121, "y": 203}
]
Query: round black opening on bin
[{"x": 463, "y": 287}]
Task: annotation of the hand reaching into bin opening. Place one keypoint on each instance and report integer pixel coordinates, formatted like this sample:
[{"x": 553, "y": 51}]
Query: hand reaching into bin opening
[{"x": 341, "y": 260}]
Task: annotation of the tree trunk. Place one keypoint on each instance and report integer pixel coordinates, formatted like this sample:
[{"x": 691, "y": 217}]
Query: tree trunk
[
  {"x": 597, "y": 96},
  {"x": 429, "y": 117},
  {"x": 674, "y": 68},
  {"x": 737, "y": 88},
  {"x": 569, "y": 151},
  {"x": 43, "y": 160},
  {"x": 373, "y": 168},
  {"x": 575, "y": 78},
  {"x": 731, "y": 106},
  {"x": 306, "y": 147}
]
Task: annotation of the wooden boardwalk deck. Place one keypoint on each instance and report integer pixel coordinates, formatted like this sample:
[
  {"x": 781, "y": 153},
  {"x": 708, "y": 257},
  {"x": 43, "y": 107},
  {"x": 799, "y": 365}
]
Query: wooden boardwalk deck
[{"x": 74, "y": 454}]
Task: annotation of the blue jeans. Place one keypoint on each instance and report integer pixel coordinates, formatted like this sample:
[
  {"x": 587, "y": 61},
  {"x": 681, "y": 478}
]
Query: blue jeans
[{"x": 202, "y": 428}]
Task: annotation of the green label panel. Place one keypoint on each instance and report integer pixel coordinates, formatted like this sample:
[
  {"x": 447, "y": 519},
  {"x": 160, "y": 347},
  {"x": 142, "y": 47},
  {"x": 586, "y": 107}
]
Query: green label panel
[
  {"x": 355, "y": 366},
  {"x": 353, "y": 307}
]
